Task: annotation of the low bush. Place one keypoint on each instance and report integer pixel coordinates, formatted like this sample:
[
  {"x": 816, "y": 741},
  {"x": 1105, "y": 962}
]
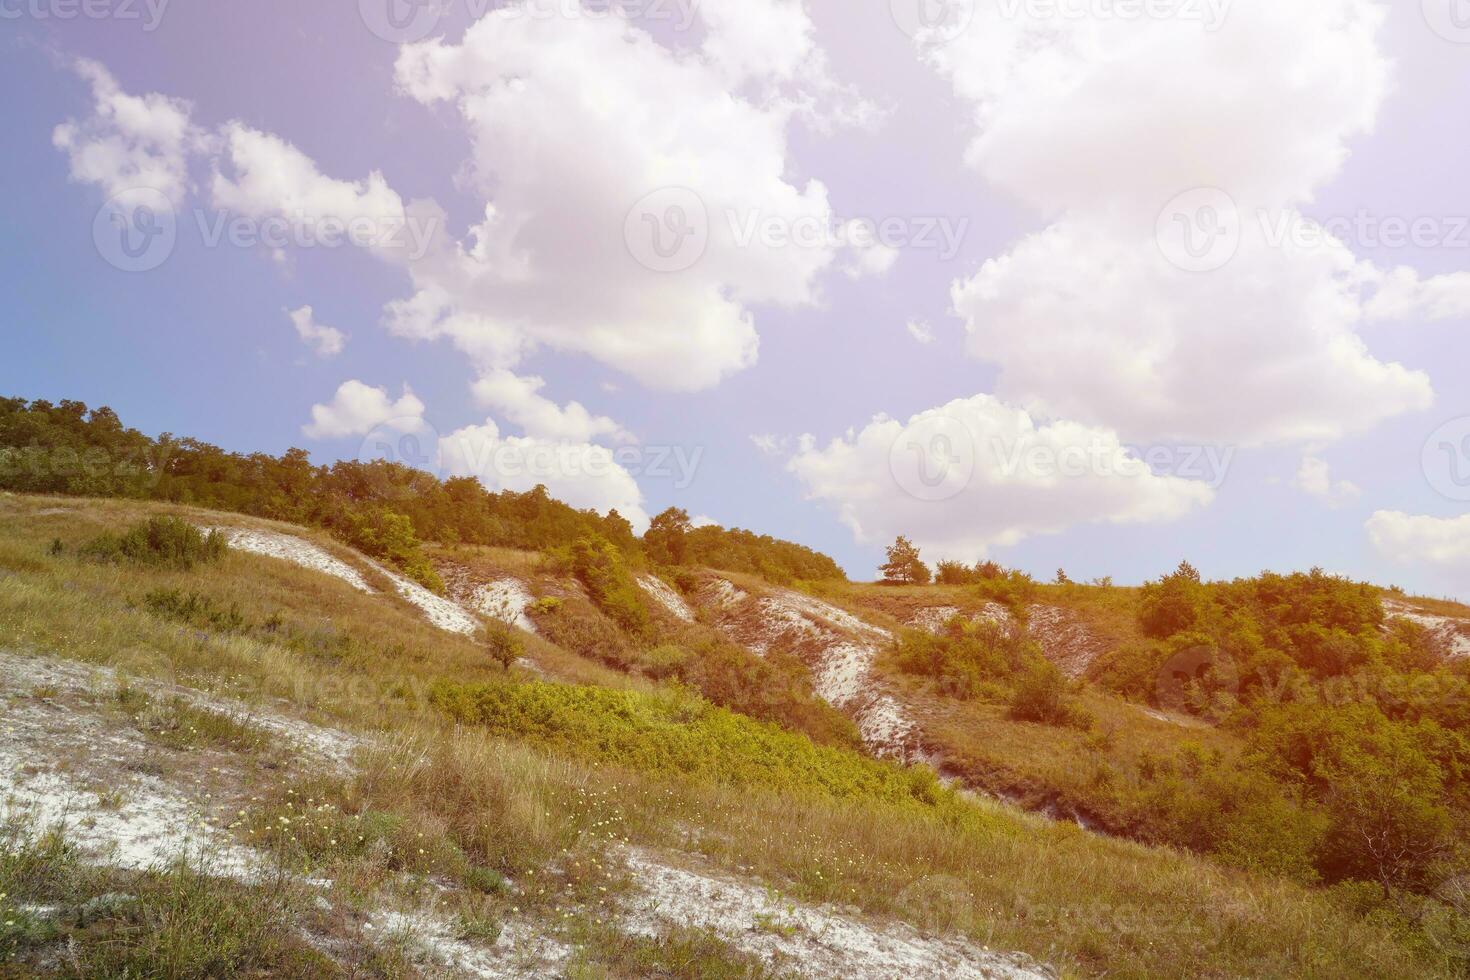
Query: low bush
[
  {"x": 197, "y": 610},
  {"x": 680, "y": 734},
  {"x": 1044, "y": 695},
  {"x": 160, "y": 542}
]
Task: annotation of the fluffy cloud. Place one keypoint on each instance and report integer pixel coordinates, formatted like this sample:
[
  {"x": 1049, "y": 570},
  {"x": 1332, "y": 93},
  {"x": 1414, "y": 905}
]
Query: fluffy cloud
[
  {"x": 1103, "y": 122},
  {"x": 1403, "y": 294},
  {"x": 357, "y": 409},
  {"x": 520, "y": 401},
  {"x": 1443, "y": 542},
  {"x": 129, "y": 142},
  {"x": 1314, "y": 477},
  {"x": 1092, "y": 322},
  {"x": 562, "y": 256},
  {"x": 326, "y": 341},
  {"x": 261, "y": 176},
  {"x": 977, "y": 473},
  {"x": 581, "y": 474},
  {"x": 920, "y": 330},
  {"x": 1260, "y": 100}
]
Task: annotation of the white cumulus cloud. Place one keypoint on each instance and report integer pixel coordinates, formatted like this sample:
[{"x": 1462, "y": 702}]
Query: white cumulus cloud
[
  {"x": 581, "y": 474},
  {"x": 326, "y": 341},
  {"x": 1314, "y": 478},
  {"x": 1440, "y": 542},
  {"x": 1100, "y": 123},
  {"x": 357, "y": 409},
  {"x": 977, "y": 473},
  {"x": 129, "y": 142}
]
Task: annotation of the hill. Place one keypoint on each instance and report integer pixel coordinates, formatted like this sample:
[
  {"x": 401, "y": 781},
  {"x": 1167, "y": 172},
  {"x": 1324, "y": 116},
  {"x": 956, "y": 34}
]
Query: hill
[{"x": 449, "y": 731}]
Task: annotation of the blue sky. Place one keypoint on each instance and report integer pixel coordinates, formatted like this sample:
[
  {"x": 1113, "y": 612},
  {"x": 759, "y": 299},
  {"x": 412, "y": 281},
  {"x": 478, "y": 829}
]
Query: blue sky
[{"x": 1078, "y": 334}]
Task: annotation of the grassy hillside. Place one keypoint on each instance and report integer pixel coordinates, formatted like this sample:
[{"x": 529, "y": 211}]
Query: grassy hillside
[{"x": 522, "y": 794}]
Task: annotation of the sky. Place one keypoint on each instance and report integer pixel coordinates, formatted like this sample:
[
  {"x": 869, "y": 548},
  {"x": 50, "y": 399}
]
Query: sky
[{"x": 1087, "y": 284}]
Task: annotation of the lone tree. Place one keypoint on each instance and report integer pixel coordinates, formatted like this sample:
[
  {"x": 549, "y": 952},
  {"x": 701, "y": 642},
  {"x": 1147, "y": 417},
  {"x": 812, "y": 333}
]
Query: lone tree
[
  {"x": 665, "y": 538},
  {"x": 904, "y": 565},
  {"x": 504, "y": 646}
]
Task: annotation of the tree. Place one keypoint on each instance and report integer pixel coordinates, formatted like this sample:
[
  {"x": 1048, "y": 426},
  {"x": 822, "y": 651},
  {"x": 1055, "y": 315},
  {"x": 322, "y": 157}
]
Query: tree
[
  {"x": 504, "y": 646},
  {"x": 666, "y": 539},
  {"x": 1062, "y": 578},
  {"x": 904, "y": 565},
  {"x": 1174, "y": 604}
]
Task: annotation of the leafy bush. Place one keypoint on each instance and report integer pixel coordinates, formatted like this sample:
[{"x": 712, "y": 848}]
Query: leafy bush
[
  {"x": 576, "y": 626},
  {"x": 600, "y": 567},
  {"x": 1013, "y": 589},
  {"x": 680, "y": 734},
  {"x": 965, "y": 657},
  {"x": 382, "y": 533},
  {"x": 194, "y": 609},
  {"x": 159, "y": 542},
  {"x": 504, "y": 646},
  {"x": 1044, "y": 695},
  {"x": 775, "y": 688}
]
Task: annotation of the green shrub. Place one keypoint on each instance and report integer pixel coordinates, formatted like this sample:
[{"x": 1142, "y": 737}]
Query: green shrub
[
  {"x": 600, "y": 567},
  {"x": 159, "y": 542},
  {"x": 504, "y": 646},
  {"x": 680, "y": 734},
  {"x": 196, "y": 610},
  {"x": 575, "y": 626},
  {"x": 1043, "y": 694},
  {"x": 966, "y": 658}
]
